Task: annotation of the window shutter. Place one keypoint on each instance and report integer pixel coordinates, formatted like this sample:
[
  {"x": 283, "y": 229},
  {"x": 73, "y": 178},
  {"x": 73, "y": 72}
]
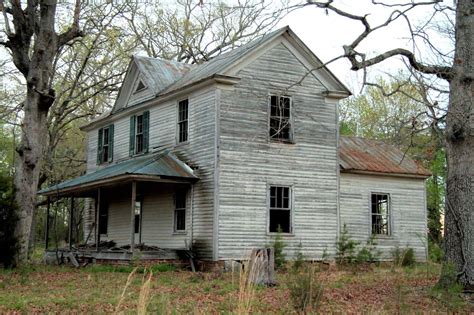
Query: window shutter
[
  {"x": 146, "y": 127},
  {"x": 99, "y": 145},
  {"x": 132, "y": 135},
  {"x": 111, "y": 143}
]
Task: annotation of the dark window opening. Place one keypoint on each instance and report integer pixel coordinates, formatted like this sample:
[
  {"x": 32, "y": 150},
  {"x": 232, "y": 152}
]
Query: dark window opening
[
  {"x": 183, "y": 121},
  {"x": 280, "y": 118},
  {"x": 140, "y": 87},
  {"x": 380, "y": 214},
  {"x": 105, "y": 145},
  {"x": 180, "y": 211},
  {"x": 138, "y": 213},
  {"x": 280, "y": 209},
  {"x": 139, "y": 134},
  {"x": 103, "y": 217}
]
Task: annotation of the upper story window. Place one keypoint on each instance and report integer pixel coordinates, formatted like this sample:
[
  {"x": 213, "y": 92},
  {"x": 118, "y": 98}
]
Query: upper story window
[
  {"x": 380, "y": 214},
  {"x": 183, "y": 121},
  {"x": 280, "y": 209},
  {"x": 139, "y": 130},
  {"x": 180, "y": 211},
  {"x": 280, "y": 118},
  {"x": 105, "y": 144}
]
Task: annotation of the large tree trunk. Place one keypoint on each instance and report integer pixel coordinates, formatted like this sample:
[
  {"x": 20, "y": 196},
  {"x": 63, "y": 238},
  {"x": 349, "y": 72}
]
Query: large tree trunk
[
  {"x": 33, "y": 137},
  {"x": 459, "y": 218},
  {"x": 37, "y": 70}
]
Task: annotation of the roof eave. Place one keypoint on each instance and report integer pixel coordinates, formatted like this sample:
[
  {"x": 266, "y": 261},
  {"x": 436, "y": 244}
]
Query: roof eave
[
  {"x": 216, "y": 78},
  {"x": 120, "y": 179},
  {"x": 406, "y": 175}
]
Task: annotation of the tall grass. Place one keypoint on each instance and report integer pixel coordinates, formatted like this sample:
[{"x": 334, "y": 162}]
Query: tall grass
[
  {"x": 249, "y": 275},
  {"x": 127, "y": 284},
  {"x": 145, "y": 294}
]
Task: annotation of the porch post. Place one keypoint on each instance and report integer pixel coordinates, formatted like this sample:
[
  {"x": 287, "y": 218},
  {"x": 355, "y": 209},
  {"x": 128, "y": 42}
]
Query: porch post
[
  {"x": 71, "y": 217},
  {"x": 46, "y": 241},
  {"x": 132, "y": 216},
  {"x": 97, "y": 219}
]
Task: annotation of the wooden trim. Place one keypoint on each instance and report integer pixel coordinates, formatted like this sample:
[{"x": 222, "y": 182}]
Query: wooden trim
[
  {"x": 46, "y": 241},
  {"x": 71, "y": 216},
  {"x": 159, "y": 99},
  {"x": 215, "y": 229},
  {"x": 132, "y": 216},
  {"x": 415, "y": 176},
  {"x": 118, "y": 179},
  {"x": 97, "y": 219}
]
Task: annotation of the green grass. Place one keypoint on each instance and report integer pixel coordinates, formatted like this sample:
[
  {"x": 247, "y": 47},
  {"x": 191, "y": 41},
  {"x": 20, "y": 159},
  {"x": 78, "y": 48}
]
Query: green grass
[{"x": 97, "y": 289}]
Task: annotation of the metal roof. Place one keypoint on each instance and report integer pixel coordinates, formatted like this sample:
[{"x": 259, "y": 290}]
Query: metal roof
[
  {"x": 160, "y": 165},
  {"x": 365, "y": 155},
  {"x": 159, "y": 73}
]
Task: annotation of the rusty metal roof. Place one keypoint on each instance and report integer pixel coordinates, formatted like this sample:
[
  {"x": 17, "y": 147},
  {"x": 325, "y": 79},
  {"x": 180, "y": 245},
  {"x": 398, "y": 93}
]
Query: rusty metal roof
[
  {"x": 365, "y": 155},
  {"x": 161, "y": 165}
]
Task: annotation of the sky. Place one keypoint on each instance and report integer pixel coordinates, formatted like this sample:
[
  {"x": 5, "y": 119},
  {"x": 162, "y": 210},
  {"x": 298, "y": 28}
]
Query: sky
[{"x": 325, "y": 34}]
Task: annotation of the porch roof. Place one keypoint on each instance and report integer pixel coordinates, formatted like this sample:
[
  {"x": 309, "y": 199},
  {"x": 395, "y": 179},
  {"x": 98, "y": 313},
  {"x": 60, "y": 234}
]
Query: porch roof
[{"x": 160, "y": 167}]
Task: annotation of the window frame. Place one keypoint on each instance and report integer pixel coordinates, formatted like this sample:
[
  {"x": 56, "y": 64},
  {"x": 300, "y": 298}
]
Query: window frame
[
  {"x": 389, "y": 215},
  {"x": 179, "y": 122},
  {"x": 184, "y": 192},
  {"x": 291, "y": 208},
  {"x": 291, "y": 139},
  {"x": 103, "y": 213},
  {"x": 102, "y": 153},
  {"x": 137, "y": 135}
]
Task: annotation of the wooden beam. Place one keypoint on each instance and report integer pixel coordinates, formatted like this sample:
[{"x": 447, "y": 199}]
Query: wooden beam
[
  {"x": 46, "y": 237},
  {"x": 97, "y": 220},
  {"x": 71, "y": 218},
  {"x": 132, "y": 216}
]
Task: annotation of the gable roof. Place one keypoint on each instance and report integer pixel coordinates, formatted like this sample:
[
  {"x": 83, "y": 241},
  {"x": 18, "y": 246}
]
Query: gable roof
[
  {"x": 164, "y": 76},
  {"x": 164, "y": 165},
  {"x": 361, "y": 155}
]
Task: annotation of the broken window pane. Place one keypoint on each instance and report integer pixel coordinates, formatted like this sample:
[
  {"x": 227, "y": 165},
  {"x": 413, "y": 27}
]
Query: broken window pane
[
  {"x": 280, "y": 117},
  {"x": 380, "y": 214}
]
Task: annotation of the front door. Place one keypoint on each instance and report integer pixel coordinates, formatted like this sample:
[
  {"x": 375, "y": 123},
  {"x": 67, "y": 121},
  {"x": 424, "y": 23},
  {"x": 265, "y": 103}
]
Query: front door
[{"x": 138, "y": 222}]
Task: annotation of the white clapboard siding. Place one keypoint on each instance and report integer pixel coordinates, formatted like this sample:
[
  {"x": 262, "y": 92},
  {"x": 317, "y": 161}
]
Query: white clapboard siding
[
  {"x": 407, "y": 206},
  {"x": 199, "y": 152},
  {"x": 249, "y": 162}
]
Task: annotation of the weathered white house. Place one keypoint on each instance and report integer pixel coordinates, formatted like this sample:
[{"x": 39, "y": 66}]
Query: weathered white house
[{"x": 218, "y": 156}]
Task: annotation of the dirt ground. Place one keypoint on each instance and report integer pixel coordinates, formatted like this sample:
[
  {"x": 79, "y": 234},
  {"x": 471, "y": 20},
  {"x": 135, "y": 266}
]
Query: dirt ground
[{"x": 107, "y": 289}]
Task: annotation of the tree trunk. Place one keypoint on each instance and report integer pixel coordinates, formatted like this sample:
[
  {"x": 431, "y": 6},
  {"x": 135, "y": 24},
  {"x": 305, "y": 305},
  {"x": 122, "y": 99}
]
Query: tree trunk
[
  {"x": 33, "y": 137},
  {"x": 459, "y": 219}
]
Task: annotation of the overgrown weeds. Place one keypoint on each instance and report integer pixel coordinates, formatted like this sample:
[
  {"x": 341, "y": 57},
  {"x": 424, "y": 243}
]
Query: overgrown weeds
[
  {"x": 250, "y": 272},
  {"x": 306, "y": 288},
  {"x": 278, "y": 247},
  {"x": 350, "y": 251},
  {"x": 403, "y": 257}
]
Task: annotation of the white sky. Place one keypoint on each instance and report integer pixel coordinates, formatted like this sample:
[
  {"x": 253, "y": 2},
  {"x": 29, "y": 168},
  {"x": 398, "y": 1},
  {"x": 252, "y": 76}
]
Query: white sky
[{"x": 326, "y": 34}]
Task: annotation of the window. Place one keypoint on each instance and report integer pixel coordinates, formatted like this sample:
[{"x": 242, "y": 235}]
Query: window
[
  {"x": 280, "y": 209},
  {"x": 105, "y": 143},
  {"x": 280, "y": 118},
  {"x": 180, "y": 211},
  {"x": 140, "y": 87},
  {"x": 103, "y": 217},
  {"x": 183, "y": 121},
  {"x": 139, "y": 127},
  {"x": 138, "y": 213},
  {"x": 380, "y": 214},
  {"x": 139, "y": 134}
]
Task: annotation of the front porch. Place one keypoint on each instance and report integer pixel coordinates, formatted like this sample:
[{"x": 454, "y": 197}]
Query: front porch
[{"x": 140, "y": 209}]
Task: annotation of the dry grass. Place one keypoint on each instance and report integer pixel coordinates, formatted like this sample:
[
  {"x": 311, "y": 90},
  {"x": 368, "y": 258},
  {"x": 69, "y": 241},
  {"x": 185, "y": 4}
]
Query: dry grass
[{"x": 346, "y": 290}]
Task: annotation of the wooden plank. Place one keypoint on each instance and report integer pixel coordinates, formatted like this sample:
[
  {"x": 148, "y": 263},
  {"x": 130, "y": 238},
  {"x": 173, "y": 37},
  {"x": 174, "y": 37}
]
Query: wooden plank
[
  {"x": 132, "y": 216},
  {"x": 97, "y": 219},
  {"x": 71, "y": 220}
]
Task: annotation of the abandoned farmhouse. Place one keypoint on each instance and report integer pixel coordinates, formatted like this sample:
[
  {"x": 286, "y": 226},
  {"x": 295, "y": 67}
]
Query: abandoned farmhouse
[{"x": 218, "y": 157}]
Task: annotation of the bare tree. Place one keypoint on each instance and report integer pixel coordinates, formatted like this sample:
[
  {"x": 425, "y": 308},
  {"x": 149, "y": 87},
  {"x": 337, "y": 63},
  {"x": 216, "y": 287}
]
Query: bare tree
[
  {"x": 194, "y": 31},
  {"x": 33, "y": 44},
  {"x": 457, "y": 70}
]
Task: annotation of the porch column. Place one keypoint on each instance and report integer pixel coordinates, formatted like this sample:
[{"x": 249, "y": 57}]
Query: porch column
[
  {"x": 46, "y": 241},
  {"x": 97, "y": 219},
  {"x": 71, "y": 218},
  {"x": 132, "y": 216}
]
